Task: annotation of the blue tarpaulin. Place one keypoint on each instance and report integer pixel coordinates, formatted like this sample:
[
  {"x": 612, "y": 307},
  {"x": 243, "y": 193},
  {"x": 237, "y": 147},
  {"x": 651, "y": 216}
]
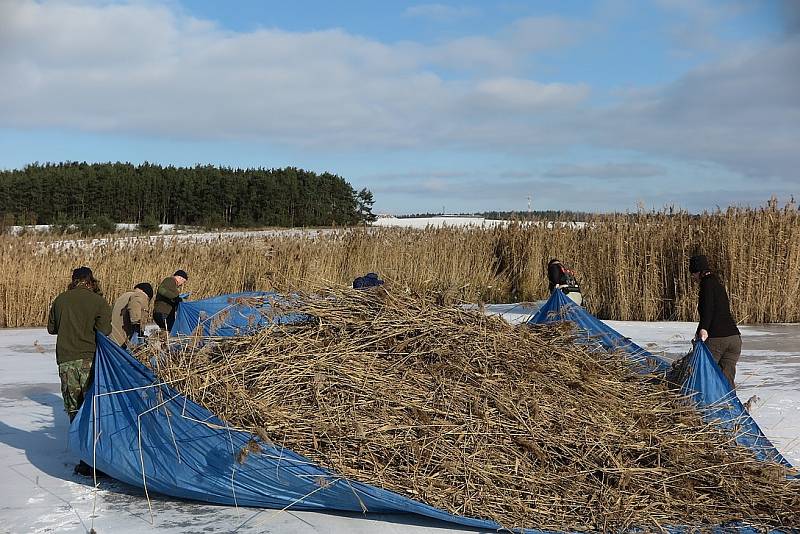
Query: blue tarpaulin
[
  {"x": 704, "y": 380},
  {"x": 234, "y": 314},
  {"x": 139, "y": 430},
  {"x": 148, "y": 435},
  {"x": 712, "y": 391},
  {"x": 560, "y": 308}
]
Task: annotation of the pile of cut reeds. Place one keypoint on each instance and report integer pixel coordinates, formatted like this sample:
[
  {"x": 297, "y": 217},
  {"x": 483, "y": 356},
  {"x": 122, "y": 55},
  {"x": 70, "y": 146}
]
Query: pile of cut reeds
[{"x": 467, "y": 413}]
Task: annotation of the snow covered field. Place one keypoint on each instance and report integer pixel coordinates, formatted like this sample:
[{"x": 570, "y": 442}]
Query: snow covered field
[
  {"x": 39, "y": 492},
  {"x": 169, "y": 233},
  {"x": 436, "y": 222},
  {"x": 120, "y": 242},
  {"x": 453, "y": 221}
]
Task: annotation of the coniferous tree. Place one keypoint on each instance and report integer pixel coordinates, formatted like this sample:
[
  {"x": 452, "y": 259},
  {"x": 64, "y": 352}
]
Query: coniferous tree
[
  {"x": 77, "y": 192},
  {"x": 365, "y": 201}
]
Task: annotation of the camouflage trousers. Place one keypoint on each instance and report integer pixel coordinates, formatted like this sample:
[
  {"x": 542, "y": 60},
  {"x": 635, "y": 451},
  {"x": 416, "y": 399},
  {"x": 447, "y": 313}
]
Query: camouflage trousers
[{"x": 75, "y": 378}]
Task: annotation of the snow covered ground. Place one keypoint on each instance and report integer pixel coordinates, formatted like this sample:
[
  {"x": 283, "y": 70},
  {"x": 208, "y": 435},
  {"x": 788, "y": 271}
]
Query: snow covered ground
[
  {"x": 453, "y": 221},
  {"x": 121, "y": 227},
  {"x": 39, "y": 492},
  {"x": 169, "y": 233},
  {"x": 436, "y": 222},
  {"x": 191, "y": 237}
]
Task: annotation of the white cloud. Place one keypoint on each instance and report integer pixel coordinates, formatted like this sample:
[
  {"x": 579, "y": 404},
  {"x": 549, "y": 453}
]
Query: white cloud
[
  {"x": 510, "y": 50},
  {"x": 495, "y": 193},
  {"x": 693, "y": 24},
  {"x": 789, "y": 13},
  {"x": 474, "y": 53},
  {"x": 523, "y": 95},
  {"x": 420, "y": 175},
  {"x": 607, "y": 171},
  {"x": 534, "y": 34},
  {"x": 743, "y": 113},
  {"x": 145, "y": 69},
  {"x": 441, "y": 12}
]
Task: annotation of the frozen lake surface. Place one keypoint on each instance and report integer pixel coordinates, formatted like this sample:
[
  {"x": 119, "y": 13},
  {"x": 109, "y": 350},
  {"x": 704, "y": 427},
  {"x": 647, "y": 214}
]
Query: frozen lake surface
[{"x": 39, "y": 492}]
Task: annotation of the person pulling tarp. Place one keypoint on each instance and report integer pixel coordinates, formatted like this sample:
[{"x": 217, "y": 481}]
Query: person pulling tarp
[
  {"x": 168, "y": 297},
  {"x": 697, "y": 375},
  {"x": 76, "y": 316},
  {"x": 564, "y": 279},
  {"x": 717, "y": 328},
  {"x": 128, "y": 315}
]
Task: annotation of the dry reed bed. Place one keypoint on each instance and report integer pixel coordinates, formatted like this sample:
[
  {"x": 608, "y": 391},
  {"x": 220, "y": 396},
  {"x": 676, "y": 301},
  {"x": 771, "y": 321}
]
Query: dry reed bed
[
  {"x": 467, "y": 413},
  {"x": 632, "y": 267}
]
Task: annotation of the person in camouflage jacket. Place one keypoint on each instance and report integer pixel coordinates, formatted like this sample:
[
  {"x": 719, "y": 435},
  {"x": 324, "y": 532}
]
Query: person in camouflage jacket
[{"x": 75, "y": 316}]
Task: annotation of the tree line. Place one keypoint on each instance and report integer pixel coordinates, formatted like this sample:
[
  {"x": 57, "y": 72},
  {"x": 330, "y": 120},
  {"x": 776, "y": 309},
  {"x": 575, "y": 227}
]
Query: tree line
[{"x": 150, "y": 194}]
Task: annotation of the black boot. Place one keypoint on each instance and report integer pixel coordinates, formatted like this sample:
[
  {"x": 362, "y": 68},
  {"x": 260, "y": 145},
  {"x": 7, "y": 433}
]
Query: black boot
[{"x": 85, "y": 470}]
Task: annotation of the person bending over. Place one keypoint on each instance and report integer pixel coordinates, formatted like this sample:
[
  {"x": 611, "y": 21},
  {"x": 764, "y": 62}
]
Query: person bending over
[
  {"x": 716, "y": 328},
  {"x": 128, "y": 314},
  {"x": 167, "y": 299}
]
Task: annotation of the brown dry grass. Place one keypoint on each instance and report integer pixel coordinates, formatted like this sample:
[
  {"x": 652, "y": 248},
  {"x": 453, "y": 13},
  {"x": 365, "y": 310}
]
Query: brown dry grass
[
  {"x": 630, "y": 266},
  {"x": 467, "y": 413}
]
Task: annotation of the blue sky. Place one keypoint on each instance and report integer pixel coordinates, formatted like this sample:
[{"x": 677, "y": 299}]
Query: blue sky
[{"x": 461, "y": 106}]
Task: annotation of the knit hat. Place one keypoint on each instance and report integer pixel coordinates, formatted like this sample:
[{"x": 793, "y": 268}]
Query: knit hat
[
  {"x": 698, "y": 264},
  {"x": 146, "y": 288},
  {"x": 82, "y": 273},
  {"x": 182, "y": 274}
]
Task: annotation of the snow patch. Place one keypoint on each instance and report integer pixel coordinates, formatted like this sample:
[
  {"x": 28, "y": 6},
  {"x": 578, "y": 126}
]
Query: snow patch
[{"x": 40, "y": 493}]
